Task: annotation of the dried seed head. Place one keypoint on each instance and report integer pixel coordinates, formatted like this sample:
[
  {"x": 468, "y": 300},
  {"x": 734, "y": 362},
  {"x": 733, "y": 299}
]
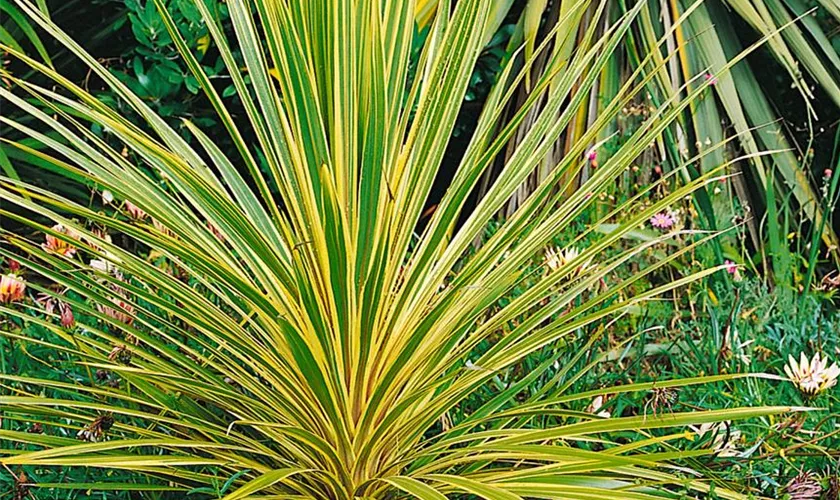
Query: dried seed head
[
  {"x": 120, "y": 354},
  {"x": 96, "y": 430},
  {"x": 21, "y": 487}
]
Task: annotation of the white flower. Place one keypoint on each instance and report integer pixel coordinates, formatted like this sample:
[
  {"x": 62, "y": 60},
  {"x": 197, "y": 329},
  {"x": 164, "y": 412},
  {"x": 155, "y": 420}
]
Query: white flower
[
  {"x": 107, "y": 197},
  {"x": 556, "y": 258},
  {"x": 724, "y": 437},
  {"x": 596, "y": 405},
  {"x": 106, "y": 266},
  {"x": 100, "y": 265},
  {"x": 812, "y": 377},
  {"x": 474, "y": 367}
]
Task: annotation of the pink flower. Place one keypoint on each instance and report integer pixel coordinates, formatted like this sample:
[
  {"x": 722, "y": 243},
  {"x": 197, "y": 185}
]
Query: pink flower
[
  {"x": 827, "y": 173},
  {"x": 67, "y": 317},
  {"x": 804, "y": 486},
  {"x": 162, "y": 228},
  {"x": 64, "y": 309},
  {"x": 122, "y": 312},
  {"x": 134, "y": 211},
  {"x": 215, "y": 232},
  {"x": 53, "y": 244},
  {"x": 663, "y": 220},
  {"x": 731, "y": 267},
  {"x": 592, "y": 158},
  {"x": 11, "y": 288},
  {"x": 710, "y": 78},
  {"x": 46, "y": 301},
  {"x": 99, "y": 233}
]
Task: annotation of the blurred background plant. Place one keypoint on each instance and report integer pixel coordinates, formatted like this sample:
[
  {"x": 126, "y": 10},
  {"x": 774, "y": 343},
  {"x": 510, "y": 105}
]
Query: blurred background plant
[{"x": 777, "y": 211}]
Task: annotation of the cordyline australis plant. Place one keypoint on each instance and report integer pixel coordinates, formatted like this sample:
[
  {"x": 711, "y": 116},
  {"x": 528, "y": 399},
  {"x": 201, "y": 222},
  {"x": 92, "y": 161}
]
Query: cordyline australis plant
[{"x": 305, "y": 340}]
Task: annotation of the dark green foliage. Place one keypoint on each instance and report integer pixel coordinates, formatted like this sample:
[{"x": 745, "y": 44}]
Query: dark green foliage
[{"x": 151, "y": 65}]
